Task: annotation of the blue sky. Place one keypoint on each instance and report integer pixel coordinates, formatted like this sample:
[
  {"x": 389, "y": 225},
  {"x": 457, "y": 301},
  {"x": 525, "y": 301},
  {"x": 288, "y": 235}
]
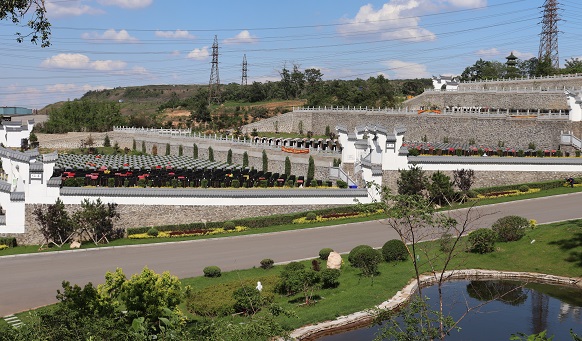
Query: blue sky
[{"x": 100, "y": 44}]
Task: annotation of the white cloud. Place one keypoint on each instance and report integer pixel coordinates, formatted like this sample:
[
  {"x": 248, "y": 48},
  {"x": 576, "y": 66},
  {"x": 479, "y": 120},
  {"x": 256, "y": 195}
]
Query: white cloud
[
  {"x": 394, "y": 20},
  {"x": 64, "y": 88},
  {"x": 406, "y": 70},
  {"x": 399, "y": 19},
  {"x": 130, "y": 4},
  {"x": 523, "y": 55},
  {"x": 242, "y": 38},
  {"x": 121, "y": 37},
  {"x": 69, "y": 8},
  {"x": 199, "y": 54},
  {"x": 177, "y": 34},
  {"x": 492, "y": 52},
  {"x": 81, "y": 61},
  {"x": 468, "y": 3}
]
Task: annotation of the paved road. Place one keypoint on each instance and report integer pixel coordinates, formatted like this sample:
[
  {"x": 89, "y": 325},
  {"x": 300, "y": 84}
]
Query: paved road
[{"x": 30, "y": 281}]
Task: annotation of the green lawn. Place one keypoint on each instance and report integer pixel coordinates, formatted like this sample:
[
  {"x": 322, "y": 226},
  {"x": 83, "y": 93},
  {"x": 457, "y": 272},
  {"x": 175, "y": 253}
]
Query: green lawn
[{"x": 557, "y": 250}]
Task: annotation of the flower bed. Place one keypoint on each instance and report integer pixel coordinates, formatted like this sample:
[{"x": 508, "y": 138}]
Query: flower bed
[
  {"x": 188, "y": 233},
  {"x": 3, "y": 247},
  {"x": 509, "y": 193},
  {"x": 333, "y": 216}
]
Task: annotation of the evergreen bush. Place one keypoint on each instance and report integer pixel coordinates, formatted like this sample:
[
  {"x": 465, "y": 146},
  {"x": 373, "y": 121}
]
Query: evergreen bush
[
  {"x": 482, "y": 240},
  {"x": 510, "y": 228},
  {"x": 267, "y": 263},
  {"x": 212, "y": 271},
  {"x": 324, "y": 253},
  {"x": 330, "y": 278},
  {"x": 394, "y": 250},
  {"x": 153, "y": 232}
]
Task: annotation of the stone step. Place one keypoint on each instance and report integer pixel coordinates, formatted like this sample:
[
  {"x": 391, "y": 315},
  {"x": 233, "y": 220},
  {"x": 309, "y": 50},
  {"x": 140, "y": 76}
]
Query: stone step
[{"x": 13, "y": 321}]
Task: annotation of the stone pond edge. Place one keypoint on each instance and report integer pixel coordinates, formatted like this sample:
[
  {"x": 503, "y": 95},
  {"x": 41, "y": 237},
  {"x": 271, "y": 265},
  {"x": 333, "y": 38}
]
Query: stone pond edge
[{"x": 402, "y": 296}]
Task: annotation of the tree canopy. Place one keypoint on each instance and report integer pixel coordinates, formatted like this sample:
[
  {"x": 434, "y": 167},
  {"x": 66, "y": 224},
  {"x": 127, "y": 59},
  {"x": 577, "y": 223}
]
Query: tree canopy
[{"x": 17, "y": 10}]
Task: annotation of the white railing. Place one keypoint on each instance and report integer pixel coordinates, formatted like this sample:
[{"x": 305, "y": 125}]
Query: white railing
[
  {"x": 338, "y": 173},
  {"x": 528, "y": 78},
  {"x": 510, "y": 89},
  {"x": 478, "y": 112},
  {"x": 159, "y": 131},
  {"x": 269, "y": 143},
  {"x": 568, "y": 138}
]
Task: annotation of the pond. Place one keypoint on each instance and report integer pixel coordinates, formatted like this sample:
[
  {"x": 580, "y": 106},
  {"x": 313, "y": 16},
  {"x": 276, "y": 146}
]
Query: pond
[{"x": 530, "y": 309}]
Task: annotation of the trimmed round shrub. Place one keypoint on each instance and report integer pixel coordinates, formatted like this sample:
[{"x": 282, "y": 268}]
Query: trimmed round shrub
[
  {"x": 235, "y": 183},
  {"x": 153, "y": 232},
  {"x": 510, "y": 228},
  {"x": 355, "y": 250},
  {"x": 212, "y": 271},
  {"x": 523, "y": 188},
  {"x": 394, "y": 250},
  {"x": 367, "y": 260},
  {"x": 310, "y": 216},
  {"x": 482, "y": 240},
  {"x": 267, "y": 263},
  {"x": 330, "y": 278},
  {"x": 324, "y": 253},
  {"x": 228, "y": 226}
]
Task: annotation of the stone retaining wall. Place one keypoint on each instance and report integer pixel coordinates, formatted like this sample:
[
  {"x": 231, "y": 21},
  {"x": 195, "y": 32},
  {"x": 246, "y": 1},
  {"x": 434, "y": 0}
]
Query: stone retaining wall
[
  {"x": 516, "y": 133},
  {"x": 509, "y": 100},
  {"x": 156, "y": 215},
  {"x": 489, "y": 179},
  {"x": 559, "y": 82}
]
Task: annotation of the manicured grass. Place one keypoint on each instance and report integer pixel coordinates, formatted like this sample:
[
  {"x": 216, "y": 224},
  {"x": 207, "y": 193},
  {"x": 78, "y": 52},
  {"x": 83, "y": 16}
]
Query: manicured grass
[{"x": 557, "y": 250}]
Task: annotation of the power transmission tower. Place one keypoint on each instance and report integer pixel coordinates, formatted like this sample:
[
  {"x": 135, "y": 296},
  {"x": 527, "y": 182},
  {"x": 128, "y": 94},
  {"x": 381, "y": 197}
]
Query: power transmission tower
[
  {"x": 214, "y": 84},
  {"x": 549, "y": 35},
  {"x": 244, "y": 71}
]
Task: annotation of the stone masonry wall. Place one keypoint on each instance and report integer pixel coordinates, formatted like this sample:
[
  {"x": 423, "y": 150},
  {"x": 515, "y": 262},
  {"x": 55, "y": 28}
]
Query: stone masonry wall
[
  {"x": 156, "y": 215},
  {"x": 489, "y": 179},
  {"x": 501, "y": 100},
  {"x": 558, "y": 82},
  {"x": 517, "y": 133}
]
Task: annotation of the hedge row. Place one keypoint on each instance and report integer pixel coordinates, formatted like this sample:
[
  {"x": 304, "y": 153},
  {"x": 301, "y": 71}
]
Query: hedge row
[
  {"x": 253, "y": 222},
  {"x": 8, "y": 241},
  {"x": 541, "y": 185}
]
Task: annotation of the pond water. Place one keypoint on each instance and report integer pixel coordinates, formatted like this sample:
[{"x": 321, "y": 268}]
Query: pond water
[{"x": 530, "y": 309}]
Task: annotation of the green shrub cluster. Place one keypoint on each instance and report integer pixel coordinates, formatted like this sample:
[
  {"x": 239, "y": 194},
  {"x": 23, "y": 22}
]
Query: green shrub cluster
[
  {"x": 310, "y": 216},
  {"x": 510, "y": 228},
  {"x": 229, "y": 225},
  {"x": 330, "y": 278},
  {"x": 341, "y": 184},
  {"x": 267, "y": 263},
  {"x": 212, "y": 271},
  {"x": 394, "y": 250},
  {"x": 218, "y": 299},
  {"x": 482, "y": 240},
  {"x": 365, "y": 258},
  {"x": 8, "y": 241},
  {"x": 153, "y": 232},
  {"x": 541, "y": 185},
  {"x": 324, "y": 253}
]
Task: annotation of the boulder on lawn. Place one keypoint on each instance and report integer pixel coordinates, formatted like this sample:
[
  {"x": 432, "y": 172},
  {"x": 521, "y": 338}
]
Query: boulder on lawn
[
  {"x": 75, "y": 245},
  {"x": 334, "y": 260}
]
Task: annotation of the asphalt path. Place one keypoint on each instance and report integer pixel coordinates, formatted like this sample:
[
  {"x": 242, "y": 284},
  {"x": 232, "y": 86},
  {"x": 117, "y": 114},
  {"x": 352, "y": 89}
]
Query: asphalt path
[{"x": 29, "y": 281}]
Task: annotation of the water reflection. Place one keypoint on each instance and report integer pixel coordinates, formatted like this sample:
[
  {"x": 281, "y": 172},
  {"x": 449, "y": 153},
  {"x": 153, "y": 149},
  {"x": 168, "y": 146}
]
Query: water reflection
[{"x": 529, "y": 309}]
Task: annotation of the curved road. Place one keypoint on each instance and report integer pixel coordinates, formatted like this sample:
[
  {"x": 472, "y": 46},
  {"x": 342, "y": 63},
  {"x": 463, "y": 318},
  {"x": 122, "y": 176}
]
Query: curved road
[{"x": 29, "y": 281}]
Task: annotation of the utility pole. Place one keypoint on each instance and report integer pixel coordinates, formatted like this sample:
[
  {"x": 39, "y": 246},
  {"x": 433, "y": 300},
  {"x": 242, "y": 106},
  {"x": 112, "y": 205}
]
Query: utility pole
[
  {"x": 244, "y": 71},
  {"x": 549, "y": 35},
  {"x": 214, "y": 83}
]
